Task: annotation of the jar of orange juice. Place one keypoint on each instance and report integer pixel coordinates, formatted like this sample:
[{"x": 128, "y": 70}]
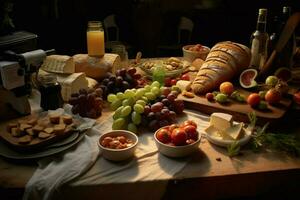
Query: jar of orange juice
[{"x": 95, "y": 39}]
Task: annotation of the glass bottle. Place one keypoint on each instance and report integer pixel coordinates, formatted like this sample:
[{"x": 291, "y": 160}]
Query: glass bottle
[
  {"x": 50, "y": 90},
  {"x": 95, "y": 39},
  {"x": 274, "y": 35},
  {"x": 259, "y": 41},
  {"x": 286, "y": 55}
]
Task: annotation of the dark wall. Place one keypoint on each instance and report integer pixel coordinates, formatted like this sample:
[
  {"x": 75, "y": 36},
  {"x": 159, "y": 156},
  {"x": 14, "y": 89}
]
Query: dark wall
[{"x": 143, "y": 23}]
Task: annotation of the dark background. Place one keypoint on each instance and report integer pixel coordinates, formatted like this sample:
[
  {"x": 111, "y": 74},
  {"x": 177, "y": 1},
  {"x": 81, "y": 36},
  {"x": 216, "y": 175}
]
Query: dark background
[{"x": 144, "y": 24}]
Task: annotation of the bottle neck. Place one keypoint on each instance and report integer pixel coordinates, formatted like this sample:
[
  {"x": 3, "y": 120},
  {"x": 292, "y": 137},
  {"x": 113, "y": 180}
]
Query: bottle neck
[{"x": 261, "y": 23}]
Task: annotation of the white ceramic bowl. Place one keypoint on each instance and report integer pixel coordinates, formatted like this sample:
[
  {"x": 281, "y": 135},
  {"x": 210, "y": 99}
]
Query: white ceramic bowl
[
  {"x": 192, "y": 55},
  {"x": 118, "y": 154},
  {"x": 176, "y": 151}
]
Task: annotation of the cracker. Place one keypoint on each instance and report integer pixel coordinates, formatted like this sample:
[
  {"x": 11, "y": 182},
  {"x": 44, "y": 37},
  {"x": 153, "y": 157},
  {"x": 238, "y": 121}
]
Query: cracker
[
  {"x": 48, "y": 130},
  {"x": 54, "y": 118},
  {"x": 67, "y": 119},
  {"x": 25, "y": 139},
  {"x": 43, "y": 135},
  {"x": 10, "y": 126},
  {"x": 59, "y": 129}
]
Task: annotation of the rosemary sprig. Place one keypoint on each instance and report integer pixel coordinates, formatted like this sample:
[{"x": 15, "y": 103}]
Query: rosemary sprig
[{"x": 233, "y": 149}]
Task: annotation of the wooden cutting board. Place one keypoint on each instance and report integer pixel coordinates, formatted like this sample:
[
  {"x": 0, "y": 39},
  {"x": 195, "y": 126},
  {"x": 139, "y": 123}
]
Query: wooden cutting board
[{"x": 239, "y": 111}]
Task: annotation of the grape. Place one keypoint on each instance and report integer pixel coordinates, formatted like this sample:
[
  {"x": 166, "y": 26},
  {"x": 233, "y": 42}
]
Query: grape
[
  {"x": 122, "y": 72},
  {"x": 150, "y": 95},
  {"x": 178, "y": 106},
  {"x": 155, "y": 90},
  {"x": 128, "y": 102},
  {"x": 171, "y": 97},
  {"x": 98, "y": 101},
  {"x": 141, "y": 102},
  {"x": 111, "y": 98},
  {"x": 128, "y": 94},
  {"x": 163, "y": 123},
  {"x": 157, "y": 107},
  {"x": 90, "y": 90},
  {"x": 138, "y": 108},
  {"x": 155, "y": 84},
  {"x": 132, "y": 127},
  {"x": 73, "y": 101},
  {"x": 172, "y": 115},
  {"x": 119, "y": 80},
  {"x": 125, "y": 85},
  {"x": 120, "y": 95},
  {"x": 166, "y": 102},
  {"x": 128, "y": 78},
  {"x": 117, "y": 113},
  {"x": 165, "y": 112},
  {"x": 116, "y": 104},
  {"x": 158, "y": 116},
  {"x": 112, "y": 78},
  {"x": 165, "y": 90},
  {"x": 147, "y": 110},
  {"x": 136, "y": 118},
  {"x": 131, "y": 71},
  {"x": 99, "y": 92},
  {"x": 110, "y": 85},
  {"x": 105, "y": 81},
  {"x": 144, "y": 99},
  {"x": 118, "y": 124},
  {"x": 151, "y": 116},
  {"x": 147, "y": 88},
  {"x": 74, "y": 95},
  {"x": 140, "y": 92},
  {"x": 82, "y": 91},
  {"x": 82, "y": 99},
  {"x": 91, "y": 98},
  {"x": 137, "y": 76},
  {"x": 126, "y": 111},
  {"x": 221, "y": 98},
  {"x": 153, "y": 125}
]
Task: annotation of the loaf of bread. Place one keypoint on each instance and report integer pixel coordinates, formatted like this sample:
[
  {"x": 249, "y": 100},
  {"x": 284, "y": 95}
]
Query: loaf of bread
[
  {"x": 224, "y": 61},
  {"x": 59, "y": 64}
]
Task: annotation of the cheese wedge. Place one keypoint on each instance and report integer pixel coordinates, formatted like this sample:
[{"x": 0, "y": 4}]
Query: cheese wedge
[
  {"x": 236, "y": 131},
  {"x": 59, "y": 64},
  {"x": 221, "y": 121}
]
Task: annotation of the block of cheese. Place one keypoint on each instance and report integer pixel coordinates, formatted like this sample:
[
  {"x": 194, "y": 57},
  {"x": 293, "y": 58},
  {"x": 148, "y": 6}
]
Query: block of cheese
[
  {"x": 59, "y": 64},
  {"x": 236, "y": 131},
  {"x": 95, "y": 67},
  {"x": 71, "y": 84},
  {"x": 221, "y": 121}
]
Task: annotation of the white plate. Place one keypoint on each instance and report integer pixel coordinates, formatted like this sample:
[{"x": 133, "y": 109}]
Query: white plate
[
  {"x": 7, "y": 152},
  {"x": 218, "y": 140}
]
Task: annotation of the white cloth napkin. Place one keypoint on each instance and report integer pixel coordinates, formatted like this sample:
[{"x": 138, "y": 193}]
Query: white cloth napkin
[{"x": 54, "y": 171}]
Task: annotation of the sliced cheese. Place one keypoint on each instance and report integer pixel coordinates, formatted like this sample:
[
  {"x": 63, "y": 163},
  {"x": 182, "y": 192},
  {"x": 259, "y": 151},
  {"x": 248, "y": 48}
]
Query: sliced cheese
[
  {"x": 236, "y": 131},
  {"x": 221, "y": 121},
  {"x": 184, "y": 85},
  {"x": 59, "y": 64}
]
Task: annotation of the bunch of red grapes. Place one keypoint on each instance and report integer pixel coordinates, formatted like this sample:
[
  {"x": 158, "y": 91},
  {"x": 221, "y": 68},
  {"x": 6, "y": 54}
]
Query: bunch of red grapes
[
  {"x": 87, "y": 103},
  {"x": 124, "y": 79},
  {"x": 163, "y": 111}
]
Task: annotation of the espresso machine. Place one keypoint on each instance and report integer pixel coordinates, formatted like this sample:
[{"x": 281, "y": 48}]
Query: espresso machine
[{"x": 17, "y": 67}]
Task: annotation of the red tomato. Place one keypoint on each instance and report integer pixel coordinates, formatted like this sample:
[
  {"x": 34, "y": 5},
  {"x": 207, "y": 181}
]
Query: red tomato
[
  {"x": 297, "y": 97},
  {"x": 189, "y": 122},
  {"x": 178, "y": 136},
  {"x": 172, "y": 127},
  {"x": 185, "y": 77},
  {"x": 253, "y": 99},
  {"x": 273, "y": 96},
  {"x": 163, "y": 136},
  {"x": 173, "y": 81},
  {"x": 191, "y": 132}
]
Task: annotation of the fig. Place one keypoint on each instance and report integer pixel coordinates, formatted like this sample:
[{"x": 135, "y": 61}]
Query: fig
[
  {"x": 247, "y": 78},
  {"x": 282, "y": 87},
  {"x": 284, "y": 74}
]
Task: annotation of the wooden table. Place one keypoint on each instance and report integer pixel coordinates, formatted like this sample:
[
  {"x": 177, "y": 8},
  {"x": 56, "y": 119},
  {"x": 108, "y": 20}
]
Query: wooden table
[{"x": 210, "y": 174}]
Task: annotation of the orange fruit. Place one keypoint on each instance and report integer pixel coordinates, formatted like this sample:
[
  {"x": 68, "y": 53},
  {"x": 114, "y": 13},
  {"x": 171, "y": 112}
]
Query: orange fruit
[{"x": 226, "y": 88}]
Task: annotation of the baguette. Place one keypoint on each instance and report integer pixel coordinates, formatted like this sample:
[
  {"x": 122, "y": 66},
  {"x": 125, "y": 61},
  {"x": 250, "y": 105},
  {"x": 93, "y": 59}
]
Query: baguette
[{"x": 224, "y": 61}]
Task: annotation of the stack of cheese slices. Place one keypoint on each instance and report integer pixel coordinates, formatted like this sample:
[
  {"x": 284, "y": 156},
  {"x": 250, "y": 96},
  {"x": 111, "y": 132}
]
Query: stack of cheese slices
[{"x": 224, "y": 61}]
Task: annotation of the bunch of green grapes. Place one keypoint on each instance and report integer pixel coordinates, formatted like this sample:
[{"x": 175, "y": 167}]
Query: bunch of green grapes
[{"x": 130, "y": 107}]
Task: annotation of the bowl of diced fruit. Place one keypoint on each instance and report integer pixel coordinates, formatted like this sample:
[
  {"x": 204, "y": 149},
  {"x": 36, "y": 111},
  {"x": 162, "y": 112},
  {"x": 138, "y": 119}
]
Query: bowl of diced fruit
[
  {"x": 178, "y": 140},
  {"x": 191, "y": 52},
  {"x": 118, "y": 145}
]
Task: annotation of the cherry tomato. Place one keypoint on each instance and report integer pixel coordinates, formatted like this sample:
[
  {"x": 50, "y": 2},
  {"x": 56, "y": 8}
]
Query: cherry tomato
[
  {"x": 189, "y": 122},
  {"x": 226, "y": 88},
  {"x": 191, "y": 132},
  {"x": 173, "y": 81},
  {"x": 172, "y": 127},
  {"x": 178, "y": 136},
  {"x": 253, "y": 99},
  {"x": 297, "y": 97},
  {"x": 185, "y": 77},
  {"x": 209, "y": 96},
  {"x": 168, "y": 81},
  {"x": 273, "y": 96},
  {"x": 163, "y": 136}
]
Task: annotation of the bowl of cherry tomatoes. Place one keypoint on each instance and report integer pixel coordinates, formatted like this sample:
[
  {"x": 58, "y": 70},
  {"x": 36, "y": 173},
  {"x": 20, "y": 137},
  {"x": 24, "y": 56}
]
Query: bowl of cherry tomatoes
[
  {"x": 178, "y": 140},
  {"x": 191, "y": 52},
  {"x": 118, "y": 145}
]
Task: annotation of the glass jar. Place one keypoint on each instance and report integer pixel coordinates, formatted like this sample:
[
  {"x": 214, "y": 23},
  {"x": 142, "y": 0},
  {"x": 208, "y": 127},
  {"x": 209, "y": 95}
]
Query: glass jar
[
  {"x": 121, "y": 51},
  {"x": 95, "y": 39},
  {"x": 50, "y": 90}
]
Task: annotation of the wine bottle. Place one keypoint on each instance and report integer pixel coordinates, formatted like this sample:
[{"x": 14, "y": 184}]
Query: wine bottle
[{"x": 259, "y": 41}]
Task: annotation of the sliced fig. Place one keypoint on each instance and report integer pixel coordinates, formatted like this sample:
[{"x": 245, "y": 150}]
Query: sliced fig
[
  {"x": 284, "y": 74},
  {"x": 247, "y": 78}
]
